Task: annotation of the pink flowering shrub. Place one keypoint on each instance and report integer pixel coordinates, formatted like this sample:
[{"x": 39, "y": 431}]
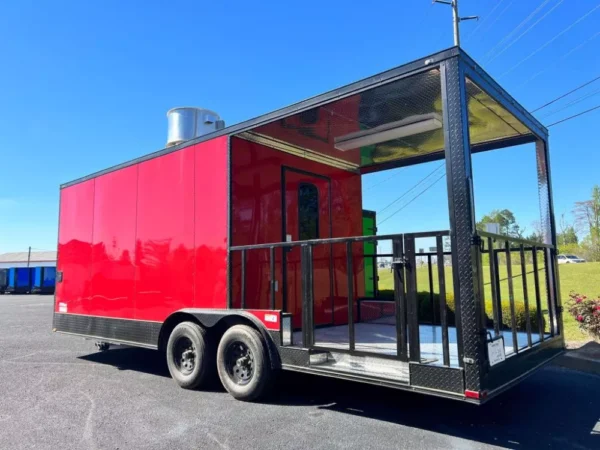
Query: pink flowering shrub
[{"x": 587, "y": 313}]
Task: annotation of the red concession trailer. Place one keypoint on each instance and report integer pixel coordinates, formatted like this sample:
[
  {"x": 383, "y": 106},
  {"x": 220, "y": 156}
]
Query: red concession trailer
[{"x": 242, "y": 251}]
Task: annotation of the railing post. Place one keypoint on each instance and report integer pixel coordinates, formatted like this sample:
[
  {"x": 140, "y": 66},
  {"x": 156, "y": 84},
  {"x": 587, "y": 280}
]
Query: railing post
[
  {"x": 400, "y": 298},
  {"x": 243, "y": 280},
  {"x": 525, "y": 294},
  {"x": 496, "y": 305},
  {"x": 272, "y": 275},
  {"x": 306, "y": 272},
  {"x": 551, "y": 290},
  {"x": 414, "y": 344},
  {"x": 350, "y": 275},
  {"x": 442, "y": 289},
  {"x": 538, "y": 301},
  {"x": 430, "y": 271},
  {"x": 511, "y": 296}
]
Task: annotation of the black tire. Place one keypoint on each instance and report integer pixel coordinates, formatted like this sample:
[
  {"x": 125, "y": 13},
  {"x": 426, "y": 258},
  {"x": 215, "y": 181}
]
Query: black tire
[
  {"x": 103, "y": 346},
  {"x": 189, "y": 356},
  {"x": 243, "y": 363}
]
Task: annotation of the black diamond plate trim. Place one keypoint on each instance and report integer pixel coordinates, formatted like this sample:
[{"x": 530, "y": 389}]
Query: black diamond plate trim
[
  {"x": 134, "y": 331},
  {"x": 543, "y": 192},
  {"x": 436, "y": 377},
  {"x": 275, "y": 336},
  {"x": 520, "y": 364},
  {"x": 462, "y": 224},
  {"x": 294, "y": 356}
]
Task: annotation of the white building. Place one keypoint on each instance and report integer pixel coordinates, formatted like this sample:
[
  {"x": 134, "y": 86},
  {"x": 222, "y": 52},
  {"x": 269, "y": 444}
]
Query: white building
[{"x": 19, "y": 259}]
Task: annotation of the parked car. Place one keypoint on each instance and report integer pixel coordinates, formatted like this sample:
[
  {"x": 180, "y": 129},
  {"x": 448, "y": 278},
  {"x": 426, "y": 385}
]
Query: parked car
[{"x": 570, "y": 259}]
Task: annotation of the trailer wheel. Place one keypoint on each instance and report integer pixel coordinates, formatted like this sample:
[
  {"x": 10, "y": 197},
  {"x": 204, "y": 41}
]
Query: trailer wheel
[
  {"x": 189, "y": 356},
  {"x": 103, "y": 346},
  {"x": 243, "y": 363}
]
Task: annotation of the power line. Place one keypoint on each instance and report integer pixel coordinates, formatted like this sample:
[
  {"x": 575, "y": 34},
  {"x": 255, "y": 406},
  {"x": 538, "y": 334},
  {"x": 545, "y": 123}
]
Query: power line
[
  {"x": 483, "y": 21},
  {"x": 413, "y": 199},
  {"x": 517, "y": 28},
  {"x": 573, "y": 102},
  {"x": 411, "y": 189},
  {"x": 425, "y": 15},
  {"x": 573, "y": 116},
  {"x": 381, "y": 182},
  {"x": 566, "y": 55},
  {"x": 526, "y": 31},
  {"x": 497, "y": 18},
  {"x": 568, "y": 93},
  {"x": 550, "y": 41}
]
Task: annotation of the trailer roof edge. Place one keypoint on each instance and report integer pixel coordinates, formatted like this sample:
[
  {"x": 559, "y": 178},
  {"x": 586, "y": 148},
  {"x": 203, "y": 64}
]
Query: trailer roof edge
[
  {"x": 380, "y": 78},
  {"x": 311, "y": 102}
]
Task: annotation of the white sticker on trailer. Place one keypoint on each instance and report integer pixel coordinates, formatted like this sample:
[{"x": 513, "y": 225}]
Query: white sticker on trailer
[
  {"x": 271, "y": 318},
  {"x": 62, "y": 307},
  {"x": 496, "y": 352}
]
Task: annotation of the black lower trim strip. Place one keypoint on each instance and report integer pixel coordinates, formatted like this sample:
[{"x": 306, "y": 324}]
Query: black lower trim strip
[
  {"x": 379, "y": 382},
  {"x": 134, "y": 332}
]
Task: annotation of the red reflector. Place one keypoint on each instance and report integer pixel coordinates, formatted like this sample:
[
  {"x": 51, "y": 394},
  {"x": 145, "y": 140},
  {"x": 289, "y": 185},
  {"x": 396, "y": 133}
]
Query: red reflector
[{"x": 472, "y": 394}]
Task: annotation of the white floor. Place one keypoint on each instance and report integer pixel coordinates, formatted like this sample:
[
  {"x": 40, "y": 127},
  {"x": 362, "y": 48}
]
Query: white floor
[{"x": 381, "y": 338}]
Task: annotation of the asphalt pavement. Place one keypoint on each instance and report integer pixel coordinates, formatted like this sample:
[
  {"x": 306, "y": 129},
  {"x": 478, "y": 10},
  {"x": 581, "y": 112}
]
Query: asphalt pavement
[{"x": 57, "y": 392}]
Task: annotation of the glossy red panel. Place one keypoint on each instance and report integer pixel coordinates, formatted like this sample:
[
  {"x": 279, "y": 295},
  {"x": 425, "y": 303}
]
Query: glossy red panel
[
  {"x": 270, "y": 319},
  {"x": 257, "y": 219},
  {"x": 211, "y": 206},
  {"x": 165, "y": 236},
  {"x": 314, "y": 130},
  {"x": 113, "y": 245},
  {"x": 322, "y": 263},
  {"x": 75, "y": 247}
]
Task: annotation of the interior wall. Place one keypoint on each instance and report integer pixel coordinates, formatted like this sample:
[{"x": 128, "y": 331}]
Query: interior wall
[{"x": 257, "y": 219}]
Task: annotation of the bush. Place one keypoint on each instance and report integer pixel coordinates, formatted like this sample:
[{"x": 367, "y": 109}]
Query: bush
[
  {"x": 520, "y": 317},
  {"x": 586, "y": 312},
  {"x": 426, "y": 312}
]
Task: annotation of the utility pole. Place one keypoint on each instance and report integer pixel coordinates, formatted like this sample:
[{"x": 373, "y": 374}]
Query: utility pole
[
  {"x": 29, "y": 257},
  {"x": 456, "y": 19}
]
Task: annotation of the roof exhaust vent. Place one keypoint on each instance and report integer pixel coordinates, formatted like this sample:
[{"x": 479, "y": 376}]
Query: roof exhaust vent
[{"x": 189, "y": 122}]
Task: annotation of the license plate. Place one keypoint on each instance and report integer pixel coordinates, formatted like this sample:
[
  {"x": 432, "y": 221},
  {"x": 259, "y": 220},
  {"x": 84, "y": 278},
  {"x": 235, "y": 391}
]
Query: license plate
[{"x": 496, "y": 352}]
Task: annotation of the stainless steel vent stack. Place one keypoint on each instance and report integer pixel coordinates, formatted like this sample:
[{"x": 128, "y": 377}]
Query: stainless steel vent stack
[{"x": 188, "y": 122}]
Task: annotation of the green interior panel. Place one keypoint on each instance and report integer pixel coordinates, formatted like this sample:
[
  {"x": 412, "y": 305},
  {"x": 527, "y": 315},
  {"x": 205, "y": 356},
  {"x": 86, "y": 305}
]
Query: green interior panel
[{"x": 370, "y": 250}]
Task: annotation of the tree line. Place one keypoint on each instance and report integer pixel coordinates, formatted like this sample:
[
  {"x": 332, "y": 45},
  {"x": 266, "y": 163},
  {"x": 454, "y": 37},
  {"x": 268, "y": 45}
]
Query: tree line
[{"x": 579, "y": 236}]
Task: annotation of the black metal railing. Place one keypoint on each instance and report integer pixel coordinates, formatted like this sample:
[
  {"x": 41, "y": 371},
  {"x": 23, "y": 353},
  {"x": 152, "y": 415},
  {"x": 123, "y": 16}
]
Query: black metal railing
[
  {"x": 523, "y": 294},
  {"x": 405, "y": 311},
  {"x": 509, "y": 251}
]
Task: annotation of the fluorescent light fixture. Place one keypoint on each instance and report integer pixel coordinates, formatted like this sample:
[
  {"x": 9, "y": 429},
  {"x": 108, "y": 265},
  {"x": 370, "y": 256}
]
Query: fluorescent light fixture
[{"x": 394, "y": 130}]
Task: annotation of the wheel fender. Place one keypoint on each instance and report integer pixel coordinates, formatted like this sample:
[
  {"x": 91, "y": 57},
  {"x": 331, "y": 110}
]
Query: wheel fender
[{"x": 211, "y": 318}]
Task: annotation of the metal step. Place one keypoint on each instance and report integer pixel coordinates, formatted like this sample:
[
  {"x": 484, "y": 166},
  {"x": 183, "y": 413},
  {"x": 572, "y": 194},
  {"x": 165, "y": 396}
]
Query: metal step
[{"x": 372, "y": 366}]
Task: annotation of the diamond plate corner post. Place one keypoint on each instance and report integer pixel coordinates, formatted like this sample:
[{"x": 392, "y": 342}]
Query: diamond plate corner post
[
  {"x": 542, "y": 152},
  {"x": 465, "y": 256}
]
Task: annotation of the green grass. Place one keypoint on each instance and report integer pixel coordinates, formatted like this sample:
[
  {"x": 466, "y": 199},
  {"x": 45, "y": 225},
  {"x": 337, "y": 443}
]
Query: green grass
[{"x": 582, "y": 278}]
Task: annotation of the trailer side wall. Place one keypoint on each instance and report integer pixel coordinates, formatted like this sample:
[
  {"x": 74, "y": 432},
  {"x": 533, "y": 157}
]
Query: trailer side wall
[{"x": 147, "y": 240}]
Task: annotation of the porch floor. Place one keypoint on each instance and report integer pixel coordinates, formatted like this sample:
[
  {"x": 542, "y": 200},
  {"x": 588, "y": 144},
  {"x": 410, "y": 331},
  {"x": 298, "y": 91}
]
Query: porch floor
[{"x": 380, "y": 338}]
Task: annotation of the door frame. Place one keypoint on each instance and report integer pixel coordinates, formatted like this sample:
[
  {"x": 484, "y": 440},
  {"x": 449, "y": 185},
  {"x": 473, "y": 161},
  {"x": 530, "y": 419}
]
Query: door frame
[{"x": 284, "y": 287}]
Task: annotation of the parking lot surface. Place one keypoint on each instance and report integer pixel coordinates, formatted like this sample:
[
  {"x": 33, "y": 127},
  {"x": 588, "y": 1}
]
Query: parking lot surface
[{"x": 57, "y": 392}]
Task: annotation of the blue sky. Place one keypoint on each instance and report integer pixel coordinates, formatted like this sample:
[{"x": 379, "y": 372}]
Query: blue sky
[{"x": 86, "y": 85}]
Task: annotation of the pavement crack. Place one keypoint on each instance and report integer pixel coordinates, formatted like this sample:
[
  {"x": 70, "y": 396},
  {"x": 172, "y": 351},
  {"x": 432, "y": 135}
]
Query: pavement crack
[{"x": 88, "y": 429}]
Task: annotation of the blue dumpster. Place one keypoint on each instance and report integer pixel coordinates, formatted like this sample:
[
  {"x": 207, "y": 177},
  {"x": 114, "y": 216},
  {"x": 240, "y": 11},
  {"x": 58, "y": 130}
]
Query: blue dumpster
[
  {"x": 3, "y": 280},
  {"x": 44, "y": 279},
  {"x": 19, "y": 280}
]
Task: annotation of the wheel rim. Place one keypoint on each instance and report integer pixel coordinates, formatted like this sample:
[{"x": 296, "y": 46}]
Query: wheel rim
[
  {"x": 240, "y": 362},
  {"x": 185, "y": 355}
]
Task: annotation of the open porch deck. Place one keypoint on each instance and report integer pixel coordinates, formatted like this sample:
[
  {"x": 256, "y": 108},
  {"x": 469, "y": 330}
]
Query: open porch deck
[{"x": 379, "y": 337}]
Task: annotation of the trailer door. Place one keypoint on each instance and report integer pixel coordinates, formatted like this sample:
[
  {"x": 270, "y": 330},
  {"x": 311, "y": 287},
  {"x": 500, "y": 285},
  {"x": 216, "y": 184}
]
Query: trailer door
[{"x": 307, "y": 215}]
